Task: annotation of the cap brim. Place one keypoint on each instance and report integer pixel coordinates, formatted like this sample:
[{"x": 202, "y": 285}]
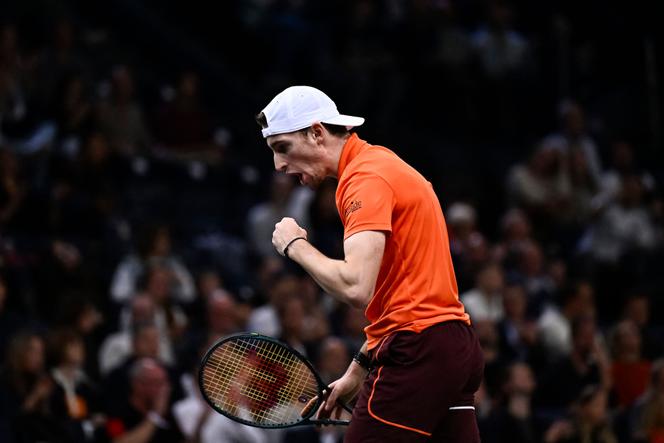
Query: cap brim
[{"x": 348, "y": 121}]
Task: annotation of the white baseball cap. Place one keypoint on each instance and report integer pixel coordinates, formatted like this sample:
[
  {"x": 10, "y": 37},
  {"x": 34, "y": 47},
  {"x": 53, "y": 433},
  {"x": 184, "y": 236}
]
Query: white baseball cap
[{"x": 298, "y": 107}]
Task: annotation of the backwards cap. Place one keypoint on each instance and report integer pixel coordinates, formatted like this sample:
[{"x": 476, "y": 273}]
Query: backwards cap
[{"x": 298, "y": 107}]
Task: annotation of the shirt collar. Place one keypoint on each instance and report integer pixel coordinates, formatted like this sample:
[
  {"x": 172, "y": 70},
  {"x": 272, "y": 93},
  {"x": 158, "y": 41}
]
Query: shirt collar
[{"x": 353, "y": 146}]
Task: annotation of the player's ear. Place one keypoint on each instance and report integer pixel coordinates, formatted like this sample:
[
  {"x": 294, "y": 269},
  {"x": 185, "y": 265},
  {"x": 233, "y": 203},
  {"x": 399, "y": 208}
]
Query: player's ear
[{"x": 317, "y": 130}]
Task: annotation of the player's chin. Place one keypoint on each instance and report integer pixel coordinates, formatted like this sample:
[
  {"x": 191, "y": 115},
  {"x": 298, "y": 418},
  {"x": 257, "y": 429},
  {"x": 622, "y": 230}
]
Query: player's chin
[{"x": 309, "y": 181}]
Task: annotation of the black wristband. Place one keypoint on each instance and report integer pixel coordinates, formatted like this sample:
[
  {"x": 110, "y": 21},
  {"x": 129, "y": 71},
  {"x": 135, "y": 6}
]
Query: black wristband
[
  {"x": 290, "y": 243},
  {"x": 363, "y": 360}
]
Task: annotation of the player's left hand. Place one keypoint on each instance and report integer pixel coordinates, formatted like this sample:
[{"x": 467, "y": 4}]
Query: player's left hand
[{"x": 284, "y": 232}]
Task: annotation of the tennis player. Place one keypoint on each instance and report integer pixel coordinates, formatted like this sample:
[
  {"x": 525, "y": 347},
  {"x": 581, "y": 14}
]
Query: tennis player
[{"x": 417, "y": 373}]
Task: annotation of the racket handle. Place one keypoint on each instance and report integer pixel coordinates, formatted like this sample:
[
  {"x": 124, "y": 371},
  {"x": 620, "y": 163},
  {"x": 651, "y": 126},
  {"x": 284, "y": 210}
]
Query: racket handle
[{"x": 328, "y": 422}]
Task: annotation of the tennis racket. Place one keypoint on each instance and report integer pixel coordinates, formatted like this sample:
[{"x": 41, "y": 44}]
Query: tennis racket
[{"x": 259, "y": 381}]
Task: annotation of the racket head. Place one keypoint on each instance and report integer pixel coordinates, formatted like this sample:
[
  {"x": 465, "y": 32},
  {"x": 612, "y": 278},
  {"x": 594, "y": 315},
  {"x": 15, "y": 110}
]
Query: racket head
[{"x": 259, "y": 381}]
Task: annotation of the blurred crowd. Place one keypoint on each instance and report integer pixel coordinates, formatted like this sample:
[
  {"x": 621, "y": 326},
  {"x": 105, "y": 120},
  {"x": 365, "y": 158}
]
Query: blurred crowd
[{"x": 136, "y": 213}]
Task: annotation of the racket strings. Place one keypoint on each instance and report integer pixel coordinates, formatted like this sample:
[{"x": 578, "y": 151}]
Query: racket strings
[{"x": 258, "y": 380}]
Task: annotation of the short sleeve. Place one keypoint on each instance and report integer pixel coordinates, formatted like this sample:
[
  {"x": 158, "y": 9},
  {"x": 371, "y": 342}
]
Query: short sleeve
[{"x": 366, "y": 204}]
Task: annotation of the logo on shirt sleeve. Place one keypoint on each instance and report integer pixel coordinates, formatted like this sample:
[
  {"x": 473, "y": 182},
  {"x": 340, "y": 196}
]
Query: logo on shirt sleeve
[{"x": 352, "y": 207}]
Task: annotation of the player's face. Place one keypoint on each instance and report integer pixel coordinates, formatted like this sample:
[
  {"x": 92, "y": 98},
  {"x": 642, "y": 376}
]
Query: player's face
[{"x": 298, "y": 154}]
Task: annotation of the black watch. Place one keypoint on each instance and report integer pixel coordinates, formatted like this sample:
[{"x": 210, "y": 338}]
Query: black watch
[{"x": 363, "y": 360}]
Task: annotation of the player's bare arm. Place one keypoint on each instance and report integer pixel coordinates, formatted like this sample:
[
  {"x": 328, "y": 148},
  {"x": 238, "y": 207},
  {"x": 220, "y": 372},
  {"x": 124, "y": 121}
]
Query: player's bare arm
[{"x": 352, "y": 280}]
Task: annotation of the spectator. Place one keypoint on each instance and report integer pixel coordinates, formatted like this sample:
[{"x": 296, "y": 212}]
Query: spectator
[
  {"x": 573, "y": 136},
  {"x": 153, "y": 246},
  {"x": 286, "y": 200},
  {"x": 485, "y": 301},
  {"x": 76, "y": 399},
  {"x": 637, "y": 310},
  {"x": 25, "y": 392},
  {"x": 513, "y": 419},
  {"x": 183, "y": 128},
  {"x": 146, "y": 415},
  {"x": 648, "y": 413},
  {"x": 587, "y": 364},
  {"x": 119, "y": 345},
  {"x": 591, "y": 422},
  {"x": 120, "y": 116},
  {"x": 541, "y": 187},
  {"x": 518, "y": 332},
  {"x": 629, "y": 370},
  {"x": 555, "y": 322}
]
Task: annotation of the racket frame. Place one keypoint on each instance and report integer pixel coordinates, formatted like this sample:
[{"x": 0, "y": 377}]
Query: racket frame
[{"x": 306, "y": 419}]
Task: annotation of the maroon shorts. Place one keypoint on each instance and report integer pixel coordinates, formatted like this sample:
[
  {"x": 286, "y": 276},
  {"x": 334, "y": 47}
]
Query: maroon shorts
[{"x": 422, "y": 388}]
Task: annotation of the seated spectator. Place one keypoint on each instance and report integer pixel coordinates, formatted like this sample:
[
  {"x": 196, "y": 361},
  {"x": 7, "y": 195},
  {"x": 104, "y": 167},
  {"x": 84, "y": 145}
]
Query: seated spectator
[
  {"x": 623, "y": 164},
  {"x": 625, "y": 226},
  {"x": 629, "y": 370},
  {"x": 485, "y": 300},
  {"x": 461, "y": 221},
  {"x": 26, "y": 413},
  {"x": 637, "y": 309},
  {"x": 512, "y": 419},
  {"x": 76, "y": 400},
  {"x": 647, "y": 415},
  {"x": 316, "y": 324},
  {"x": 183, "y": 128},
  {"x": 286, "y": 199},
  {"x": 531, "y": 273},
  {"x": 74, "y": 114},
  {"x": 146, "y": 413},
  {"x": 555, "y": 322},
  {"x": 587, "y": 364},
  {"x": 541, "y": 187},
  {"x": 117, "y": 383},
  {"x": 518, "y": 332},
  {"x": 119, "y": 345},
  {"x": 264, "y": 319},
  {"x": 153, "y": 246},
  {"x": 333, "y": 357},
  {"x": 120, "y": 116},
  {"x": 200, "y": 423},
  {"x": 573, "y": 136},
  {"x": 590, "y": 423},
  {"x": 516, "y": 230}
]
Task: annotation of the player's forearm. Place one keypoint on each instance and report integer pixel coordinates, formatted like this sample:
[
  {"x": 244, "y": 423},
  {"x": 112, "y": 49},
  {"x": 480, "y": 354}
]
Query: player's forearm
[{"x": 339, "y": 278}]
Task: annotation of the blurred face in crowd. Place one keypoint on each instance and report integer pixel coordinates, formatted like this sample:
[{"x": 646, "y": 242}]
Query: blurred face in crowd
[
  {"x": 584, "y": 337},
  {"x": 149, "y": 380},
  {"x": 521, "y": 379},
  {"x": 159, "y": 285},
  {"x": 627, "y": 339},
  {"x": 75, "y": 353},
  {"x": 33, "y": 355},
  {"x": 638, "y": 310},
  {"x": 221, "y": 314},
  {"x": 491, "y": 279},
  {"x": 292, "y": 317},
  {"x": 334, "y": 359},
  {"x": 301, "y": 154},
  {"x": 146, "y": 341},
  {"x": 208, "y": 282},
  {"x": 515, "y": 302},
  {"x": 142, "y": 309}
]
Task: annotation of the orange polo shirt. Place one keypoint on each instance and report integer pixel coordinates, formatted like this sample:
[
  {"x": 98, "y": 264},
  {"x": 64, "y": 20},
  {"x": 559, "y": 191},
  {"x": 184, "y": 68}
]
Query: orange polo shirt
[{"x": 416, "y": 287}]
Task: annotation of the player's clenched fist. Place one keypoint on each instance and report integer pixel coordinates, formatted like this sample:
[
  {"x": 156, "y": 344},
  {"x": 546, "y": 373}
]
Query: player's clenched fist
[{"x": 285, "y": 232}]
